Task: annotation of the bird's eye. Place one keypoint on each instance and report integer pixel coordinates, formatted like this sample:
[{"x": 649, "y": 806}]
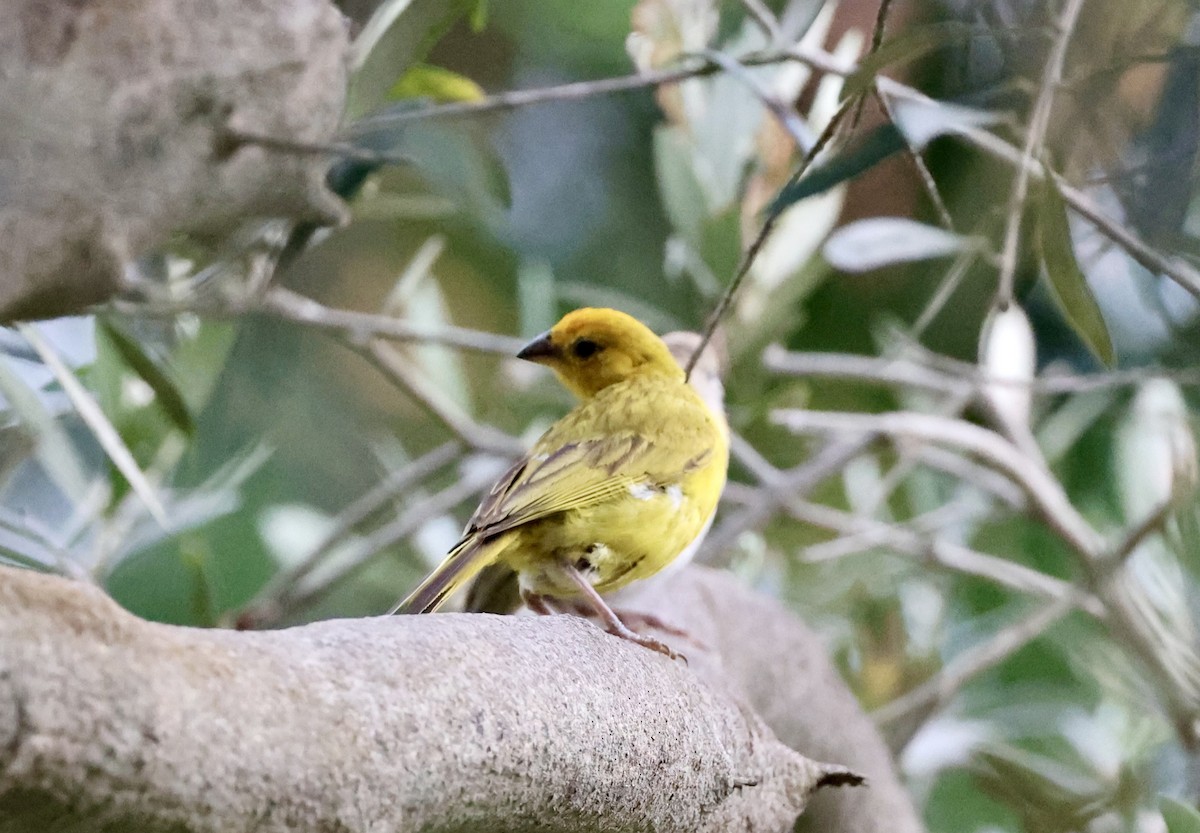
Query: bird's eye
[{"x": 585, "y": 348}]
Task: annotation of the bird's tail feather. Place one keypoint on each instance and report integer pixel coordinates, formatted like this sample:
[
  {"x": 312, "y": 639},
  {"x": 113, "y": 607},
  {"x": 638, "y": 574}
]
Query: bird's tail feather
[{"x": 459, "y": 567}]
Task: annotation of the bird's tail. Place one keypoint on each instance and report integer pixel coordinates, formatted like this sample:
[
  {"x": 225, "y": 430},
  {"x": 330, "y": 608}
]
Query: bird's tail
[{"x": 460, "y": 566}]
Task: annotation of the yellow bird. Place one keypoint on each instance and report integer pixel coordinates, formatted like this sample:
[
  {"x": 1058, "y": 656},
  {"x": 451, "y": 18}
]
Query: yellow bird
[
  {"x": 613, "y": 492},
  {"x": 495, "y": 589}
]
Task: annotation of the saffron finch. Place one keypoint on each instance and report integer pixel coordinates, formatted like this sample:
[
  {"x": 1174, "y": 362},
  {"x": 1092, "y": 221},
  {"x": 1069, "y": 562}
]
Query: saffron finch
[
  {"x": 495, "y": 589},
  {"x": 623, "y": 485}
]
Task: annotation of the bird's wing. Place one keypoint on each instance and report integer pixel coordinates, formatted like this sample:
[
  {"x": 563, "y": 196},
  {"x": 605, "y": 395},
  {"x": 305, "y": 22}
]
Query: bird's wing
[{"x": 573, "y": 466}]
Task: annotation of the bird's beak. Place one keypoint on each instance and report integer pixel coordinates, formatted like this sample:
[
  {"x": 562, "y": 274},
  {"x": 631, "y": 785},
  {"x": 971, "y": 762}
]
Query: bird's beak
[{"x": 539, "y": 349}]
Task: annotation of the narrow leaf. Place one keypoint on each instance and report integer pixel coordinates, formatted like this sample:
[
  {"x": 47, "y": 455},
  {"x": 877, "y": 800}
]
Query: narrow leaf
[
  {"x": 92, "y": 416},
  {"x": 166, "y": 394},
  {"x": 907, "y": 47},
  {"x": 1180, "y": 817},
  {"x": 435, "y": 83},
  {"x": 883, "y": 241},
  {"x": 879, "y": 145},
  {"x": 478, "y": 16},
  {"x": 398, "y": 35},
  {"x": 1067, "y": 282},
  {"x": 922, "y": 120},
  {"x": 56, "y": 452}
]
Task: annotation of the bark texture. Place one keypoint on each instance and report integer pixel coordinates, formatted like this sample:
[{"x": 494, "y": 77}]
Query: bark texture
[
  {"x": 114, "y": 124},
  {"x": 448, "y": 722},
  {"x": 767, "y": 657}
]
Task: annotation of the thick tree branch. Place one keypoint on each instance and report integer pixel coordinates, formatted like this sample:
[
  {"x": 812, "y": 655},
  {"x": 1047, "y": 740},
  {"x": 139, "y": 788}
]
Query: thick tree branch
[
  {"x": 108, "y": 147},
  {"x": 447, "y": 722},
  {"x": 763, "y": 654}
]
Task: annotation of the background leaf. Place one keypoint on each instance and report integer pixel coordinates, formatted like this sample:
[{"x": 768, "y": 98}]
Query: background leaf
[
  {"x": 883, "y": 241},
  {"x": 1066, "y": 280},
  {"x": 166, "y": 393},
  {"x": 1180, "y": 817}
]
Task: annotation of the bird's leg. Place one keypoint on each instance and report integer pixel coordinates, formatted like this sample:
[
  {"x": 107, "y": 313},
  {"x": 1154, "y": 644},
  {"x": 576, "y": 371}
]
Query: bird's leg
[
  {"x": 612, "y": 622},
  {"x": 537, "y": 603},
  {"x": 636, "y": 619}
]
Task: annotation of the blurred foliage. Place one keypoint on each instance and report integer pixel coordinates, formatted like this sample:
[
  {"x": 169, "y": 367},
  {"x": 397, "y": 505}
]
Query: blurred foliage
[{"x": 260, "y": 433}]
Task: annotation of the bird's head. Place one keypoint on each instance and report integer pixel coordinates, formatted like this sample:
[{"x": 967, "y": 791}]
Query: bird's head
[{"x": 590, "y": 349}]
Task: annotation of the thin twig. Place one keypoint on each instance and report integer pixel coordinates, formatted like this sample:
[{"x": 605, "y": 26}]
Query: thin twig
[
  {"x": 944, "y": 374},
  {"x": 758, "y": 12},
  {"x": 1035, "y": 139},
  {"x": 1152, "y": 523},
  {"x": 926, "y": 176},
  {"x": 968, "y": 665},
  {"x": 578, "y": 90},
  {"x": 1178, "y": 674},
  {"x": 793, "y": 483},
  {"x": 787, "y": 117},
  {"x": 876, "y": 41},
  {"x": 361, "y": 326},
  {"x": 968, "y": 471},
  {"x": 399, "y": 369},
  {"x": 900, "y": 372},
  {"x": 362, "y": 552},
  {"x": 1045, "y": 492},
  {"x": 946, "y": 289},
  {"x": 93, "y": 416},
  {"x": 342, "y": 150},
  {"x": 946, "y": 554},
  {"x": 359, "y": 510},
  {"x": 761, "y": 238}
]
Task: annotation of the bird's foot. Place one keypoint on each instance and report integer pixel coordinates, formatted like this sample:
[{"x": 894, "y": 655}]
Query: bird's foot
[
  {"x": 648, "y": 642},
  {"x": 640, "y": 620}
]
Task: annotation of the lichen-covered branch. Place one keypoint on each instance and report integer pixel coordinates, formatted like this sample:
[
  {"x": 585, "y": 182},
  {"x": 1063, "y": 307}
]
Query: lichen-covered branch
[
  {"x": 447, "y": 722},
  {"x": 115, "y": 124}
]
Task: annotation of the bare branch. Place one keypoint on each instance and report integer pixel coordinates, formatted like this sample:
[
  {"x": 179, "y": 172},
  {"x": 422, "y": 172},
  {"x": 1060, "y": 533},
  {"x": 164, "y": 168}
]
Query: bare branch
[
  {"x": 900, "y": 372},
  {"x": 404, "y": 373},
  {"x": 796, "y": 482},
  {"x": 1147, "y": 526},
  {"x": 360, "y": 326},
  {"x": 300, "y": 595},
  {"x": 379, "y": 496},
  {"x": 968, "y": 665},
  {"x": 692, "y": 67},
  {"x": 1178, "y": 673},
  {"x": 341, "y": 150},
  {"x": 1035, "y": 138},
  {"x": 787, "y": 117},
  {"x": 1047, "y": 495},
  {"x": 93, "y": 416},
  {"x": 942, "y": 374},
  {"x": 946, "y": 554},
  {"x": 768, "y": 226},
  {"x": 757, "y": 10}
]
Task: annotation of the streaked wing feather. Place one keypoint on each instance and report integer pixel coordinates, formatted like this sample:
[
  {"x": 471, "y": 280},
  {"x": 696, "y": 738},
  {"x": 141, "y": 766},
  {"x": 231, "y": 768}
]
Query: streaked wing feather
[{"x": 566, "y": 470}]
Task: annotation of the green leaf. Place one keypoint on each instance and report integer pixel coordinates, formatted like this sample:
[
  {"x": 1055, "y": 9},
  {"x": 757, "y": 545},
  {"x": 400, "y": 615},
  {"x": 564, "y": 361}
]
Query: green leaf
[
  {"x": 478, "y": 16},
  {"x": 877, "y": 146},
  {"x": 436, "y": 83},
  {"x": 398, "y": 35},
  {"x": 1180, "y": 817},
  {"x": 56, "y": 452},
  {"x": 166, "y": 394},
  {"x": 907, "y": 47},
  {"x": 1067, "y": 282}
]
